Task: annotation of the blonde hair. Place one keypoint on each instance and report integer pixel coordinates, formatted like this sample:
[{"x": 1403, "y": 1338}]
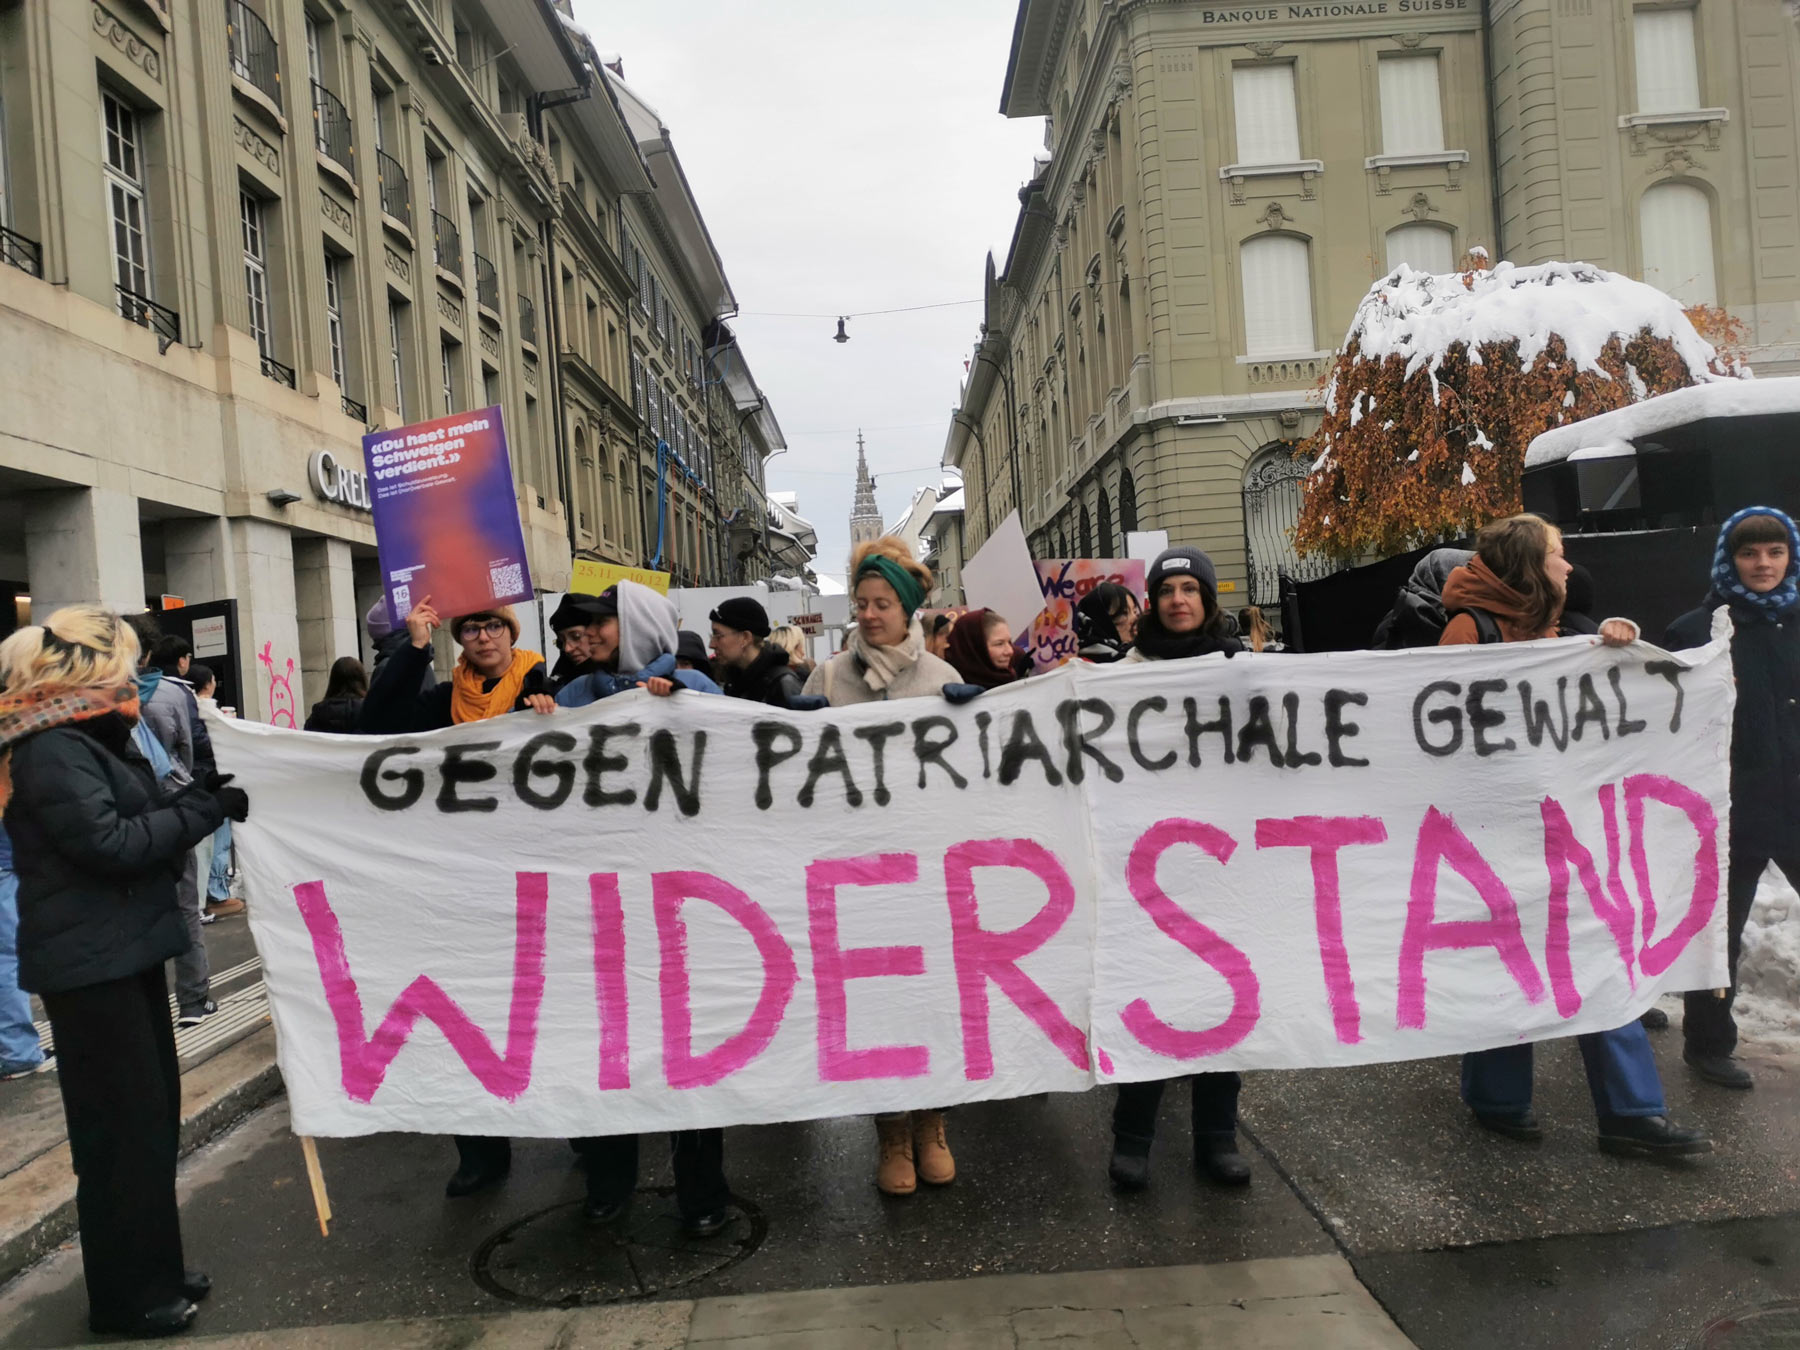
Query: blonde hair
[
  {"x": 891, "y": 546},
  {"x": 77, "y": 647},
  {"x": 791, "y": 640}
]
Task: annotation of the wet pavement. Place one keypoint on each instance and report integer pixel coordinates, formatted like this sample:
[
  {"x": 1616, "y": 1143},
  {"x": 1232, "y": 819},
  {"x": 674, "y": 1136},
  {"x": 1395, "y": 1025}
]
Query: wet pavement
[{"x": 1469, "y": 1240}]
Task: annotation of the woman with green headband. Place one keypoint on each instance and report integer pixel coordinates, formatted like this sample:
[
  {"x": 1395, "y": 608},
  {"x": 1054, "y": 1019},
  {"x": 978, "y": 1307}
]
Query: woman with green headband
[{"x": 886, "y": 658}]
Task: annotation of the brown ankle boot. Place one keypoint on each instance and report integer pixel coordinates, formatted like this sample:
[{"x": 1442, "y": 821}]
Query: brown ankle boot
[
  {"x": 894, "y": 1173},
  {"x": 931, "y": 1154}
]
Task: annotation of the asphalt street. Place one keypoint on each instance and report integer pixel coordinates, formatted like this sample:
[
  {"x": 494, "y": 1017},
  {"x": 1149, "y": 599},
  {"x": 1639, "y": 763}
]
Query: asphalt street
[{"x": 1468, "y": 1240}]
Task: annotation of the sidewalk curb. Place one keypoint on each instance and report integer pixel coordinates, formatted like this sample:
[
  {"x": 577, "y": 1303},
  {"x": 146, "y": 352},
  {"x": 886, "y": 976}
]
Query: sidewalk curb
[{"x": 37, "y": 1202}]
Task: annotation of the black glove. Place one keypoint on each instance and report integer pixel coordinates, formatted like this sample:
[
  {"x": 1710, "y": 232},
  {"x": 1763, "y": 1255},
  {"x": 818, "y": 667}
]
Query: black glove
[
  {"x": 961, "y": 693},
  {"x": 807, "y": 702},
  {"x": 233, "y": 801},
  {"x": 216, "y": 780}
]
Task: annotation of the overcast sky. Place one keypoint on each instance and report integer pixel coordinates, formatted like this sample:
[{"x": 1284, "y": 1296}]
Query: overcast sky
[{"x": 847, "y": 157}]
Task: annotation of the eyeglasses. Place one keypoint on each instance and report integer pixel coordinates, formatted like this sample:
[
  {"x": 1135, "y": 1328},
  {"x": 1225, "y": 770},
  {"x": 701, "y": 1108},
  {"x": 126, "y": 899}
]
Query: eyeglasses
[{"x": 474, "y": 629}]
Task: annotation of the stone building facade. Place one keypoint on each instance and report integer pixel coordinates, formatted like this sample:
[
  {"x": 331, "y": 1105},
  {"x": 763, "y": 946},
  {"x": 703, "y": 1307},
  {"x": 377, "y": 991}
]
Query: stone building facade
[
  {"x": 241, "y": 232},
  {"x": 1222, "y": 182}
]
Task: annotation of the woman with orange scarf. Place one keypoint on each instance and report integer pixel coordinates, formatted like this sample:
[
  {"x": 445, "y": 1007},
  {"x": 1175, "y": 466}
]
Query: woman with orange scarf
[{"x": 492, "y": 678}]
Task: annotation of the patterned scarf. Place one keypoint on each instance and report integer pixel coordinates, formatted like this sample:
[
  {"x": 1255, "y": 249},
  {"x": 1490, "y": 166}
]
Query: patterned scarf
[
  {"x": 36, "y": 710},
  {"x": 883, "y": 665},
  {"x": 471, "y": 702},
  {"x": 1728, "y": 588}
]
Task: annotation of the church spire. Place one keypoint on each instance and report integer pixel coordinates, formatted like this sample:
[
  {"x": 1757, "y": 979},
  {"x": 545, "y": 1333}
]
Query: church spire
[{"x": 865, "y": 516}]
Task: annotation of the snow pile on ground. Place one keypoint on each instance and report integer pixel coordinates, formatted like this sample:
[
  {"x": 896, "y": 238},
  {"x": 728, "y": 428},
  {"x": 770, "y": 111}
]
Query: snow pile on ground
[
  {"x": 1421, "y": 317},
  {"x": 1768, "y": 1004},
  {"x": 1717, "y": 398}
]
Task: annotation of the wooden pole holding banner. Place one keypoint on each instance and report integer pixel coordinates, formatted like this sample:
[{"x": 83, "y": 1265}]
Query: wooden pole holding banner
[{"x": 321, "y": 1202}]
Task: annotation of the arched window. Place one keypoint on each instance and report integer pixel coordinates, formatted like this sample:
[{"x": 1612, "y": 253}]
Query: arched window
[
  {"x": 1085, "y": 538},
  {"x": 1424, "y": 248},
  {"x": 1675, "y": 227},
  {"x": 1278, "y": 305},
  {"x": 1128, "y": 521},
  {"x": 1108, "y": 544}
]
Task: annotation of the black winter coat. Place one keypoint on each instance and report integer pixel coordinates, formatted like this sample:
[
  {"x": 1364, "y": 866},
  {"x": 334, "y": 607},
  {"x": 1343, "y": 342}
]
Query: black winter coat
[
  {"x": 768, "y": 679},
  {"x": 1765, "y": 737},
  {"x": 396, "y": 707},
  {"x": 97, "y": 848},
  {"x": 334, "y": 714}
]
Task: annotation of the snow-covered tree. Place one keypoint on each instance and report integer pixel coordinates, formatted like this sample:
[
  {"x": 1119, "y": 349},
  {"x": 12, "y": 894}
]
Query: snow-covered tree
[{"x": 1443, "y": 381}]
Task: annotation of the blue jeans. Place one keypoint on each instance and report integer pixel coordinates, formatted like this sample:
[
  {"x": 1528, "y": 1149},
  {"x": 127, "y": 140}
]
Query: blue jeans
[
  {"x": 1621, "y": 1074},
  {"x": 18, "y": 1038},
  {"x": 218, "y": 880}
]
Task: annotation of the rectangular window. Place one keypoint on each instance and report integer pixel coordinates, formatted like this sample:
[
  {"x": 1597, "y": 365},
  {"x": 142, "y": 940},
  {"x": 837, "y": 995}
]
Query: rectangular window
[
  {"x": 490, "y": 387},
  {"x": 256, "y": 270},
  {"x": 1278, "y": 313},
  {"x": 653, "y": 405},
  {"x": 124, "y": 175},
  {"x": 637, "y": 385},
  {"x": 1268, "y": 126},
  {"x": 643, "y": 281},
  {"x": 1668, "y": 67},
  {"x": 447, "y": 369},
  {"x": 396, "y": 325},
  {"x": 315, "y": 66},
  {"x": 656, "y": 305},
  {"x": 1412, "y": 107},
  {"x": 334, "y": 319}
]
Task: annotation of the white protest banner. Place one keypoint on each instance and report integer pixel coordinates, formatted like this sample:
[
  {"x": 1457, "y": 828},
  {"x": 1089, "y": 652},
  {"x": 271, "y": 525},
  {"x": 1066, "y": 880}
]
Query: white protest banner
[{"x": 658, "y": 913}]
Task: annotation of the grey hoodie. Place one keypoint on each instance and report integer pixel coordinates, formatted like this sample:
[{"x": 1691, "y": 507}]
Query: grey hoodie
[{"x": 649, "y": 626}]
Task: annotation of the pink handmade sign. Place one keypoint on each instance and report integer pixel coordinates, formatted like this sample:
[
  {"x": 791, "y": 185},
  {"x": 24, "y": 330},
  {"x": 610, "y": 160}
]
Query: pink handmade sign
[
  {"x": 661, "y": 913},
  {"x": 1065, "y": 582}
]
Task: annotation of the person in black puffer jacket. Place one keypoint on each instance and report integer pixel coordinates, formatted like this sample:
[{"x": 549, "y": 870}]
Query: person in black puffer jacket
[
  {"x": 748, "y": 664},
  {"x": 98, "y": 846},
  {"x": 1756, "y": 575},
  {"x": 344, "y": 693}
]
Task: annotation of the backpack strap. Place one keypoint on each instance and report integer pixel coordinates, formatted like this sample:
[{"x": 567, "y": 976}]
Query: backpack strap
[{"x": 1487, "y": 627}]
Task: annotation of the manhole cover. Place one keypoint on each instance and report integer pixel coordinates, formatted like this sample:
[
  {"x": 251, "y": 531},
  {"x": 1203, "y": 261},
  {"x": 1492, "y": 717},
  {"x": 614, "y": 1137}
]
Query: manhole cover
[
  {"x": 1774, "y": 1326},
  {"x": 554, "y": 1259}
]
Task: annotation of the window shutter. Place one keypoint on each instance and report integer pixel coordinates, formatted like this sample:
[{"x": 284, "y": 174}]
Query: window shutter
[
  {"x": 1424, "y": 248},
  {"x": 1675, "y": 224},
  {"x": 1668, "y": 70},
  {"x": 1412, "y": 109},
  {"x": 1268, "y": 129},
  {"x": 1278, "y": 315}
]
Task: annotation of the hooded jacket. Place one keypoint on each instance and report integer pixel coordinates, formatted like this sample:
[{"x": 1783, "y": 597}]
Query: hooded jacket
[
  {"x": 334, "y": 715},
  {"x": 166, "y": 708},
  {"x": 97, "y": 847},
  {"x": 1417, "y": 618},
  {"x": 1765, "y": 740},
  {"x": 649, "y": 630},
  {"x": 769, "y": 679},
  {"x": 1474, "y": 586}
]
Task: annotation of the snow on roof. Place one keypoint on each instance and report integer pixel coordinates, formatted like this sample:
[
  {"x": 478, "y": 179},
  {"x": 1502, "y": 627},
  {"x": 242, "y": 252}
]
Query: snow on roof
[
  {"x": 1420, "y": 317},
  {"x": 1718, "y": 398},
  {"x": 950, "y": 501},
  {"x": 829, "y": 585}
]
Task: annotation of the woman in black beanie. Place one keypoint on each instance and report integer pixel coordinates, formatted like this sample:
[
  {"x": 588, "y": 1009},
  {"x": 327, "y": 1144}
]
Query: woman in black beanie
[{"x": 1182, "y": 618}]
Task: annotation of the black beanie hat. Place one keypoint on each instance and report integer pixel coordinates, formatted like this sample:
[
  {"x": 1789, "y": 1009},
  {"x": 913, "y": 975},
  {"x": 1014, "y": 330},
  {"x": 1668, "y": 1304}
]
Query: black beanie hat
[
  {"x": 1182, "y": 562},
  {"x": 744, "y": 614}
]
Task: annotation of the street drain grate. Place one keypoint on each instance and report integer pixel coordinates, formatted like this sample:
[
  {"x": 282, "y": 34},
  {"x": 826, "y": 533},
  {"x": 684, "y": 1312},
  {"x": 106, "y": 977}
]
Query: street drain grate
[
  {"x": 553, "y": 1259},
  {"x": 1774, "y": 1326}
]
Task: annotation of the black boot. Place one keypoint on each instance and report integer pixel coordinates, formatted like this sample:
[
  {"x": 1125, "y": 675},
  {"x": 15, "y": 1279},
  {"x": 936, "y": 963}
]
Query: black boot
[
  {"x": 705, "y": 1225},
  {"x": 1523, "y": 1126},
  {"x": 1649, "y": 1137},
  {"x": 167, "y": 1320},
  {"x": 1218, "y": 1157},
  {"x": 1722, "y": 1070},
  {"x": 196, "y": 1285},
  {"x": 483, "y": 1163},
  {"x": 1130, "y": 1166},
  {"x": 603, "y": 1212}
]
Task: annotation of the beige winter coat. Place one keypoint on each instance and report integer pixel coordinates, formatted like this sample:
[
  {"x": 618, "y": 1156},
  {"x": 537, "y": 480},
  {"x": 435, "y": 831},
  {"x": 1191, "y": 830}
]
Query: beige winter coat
[{"x": 841, "y": 680}]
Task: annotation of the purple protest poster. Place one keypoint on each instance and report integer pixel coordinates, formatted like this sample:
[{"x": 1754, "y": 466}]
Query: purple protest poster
[{"x": 446, "y": 518}]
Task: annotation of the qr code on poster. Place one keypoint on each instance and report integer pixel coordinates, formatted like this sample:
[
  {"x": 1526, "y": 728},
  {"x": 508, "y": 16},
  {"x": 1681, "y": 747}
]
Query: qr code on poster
[
  {"x": 403, "y": 599},
  {"x": 507, "y": 579}
]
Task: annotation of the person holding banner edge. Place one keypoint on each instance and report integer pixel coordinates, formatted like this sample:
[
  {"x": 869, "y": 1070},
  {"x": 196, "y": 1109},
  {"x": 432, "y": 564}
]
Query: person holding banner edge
[
  {"x": 1513, "y": 590},
  {"x": 1182, "y": 618},
  {"x": 886, "y": 658},
  {"x": 492, "y": 678},
  {"x": 1756, "y": 575},
  {"x": 99, "y": 845}
]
